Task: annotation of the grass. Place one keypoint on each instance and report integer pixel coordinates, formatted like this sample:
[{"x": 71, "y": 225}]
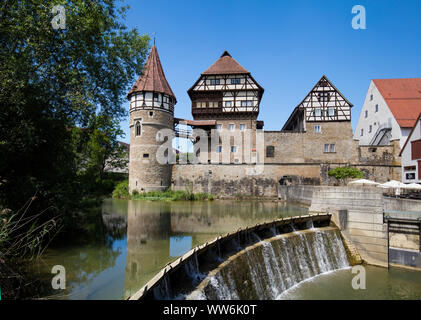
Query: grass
[
  {"x": 121, "y": 191},
  {"x": 171, "y": 195}
]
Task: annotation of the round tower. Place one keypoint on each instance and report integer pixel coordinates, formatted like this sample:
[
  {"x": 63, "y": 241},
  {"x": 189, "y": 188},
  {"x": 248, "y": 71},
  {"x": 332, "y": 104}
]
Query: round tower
[{"x": 151, "y": 109}]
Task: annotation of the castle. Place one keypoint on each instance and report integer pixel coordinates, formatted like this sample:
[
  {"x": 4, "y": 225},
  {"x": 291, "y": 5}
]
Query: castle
[{"x": 235, "y": 155}]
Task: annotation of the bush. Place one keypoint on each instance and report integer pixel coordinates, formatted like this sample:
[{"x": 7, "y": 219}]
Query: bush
[
  {"x": 342, "y": 174},
  {"x": 170, "y": 195},
  {"x": 121, "y": 190}
]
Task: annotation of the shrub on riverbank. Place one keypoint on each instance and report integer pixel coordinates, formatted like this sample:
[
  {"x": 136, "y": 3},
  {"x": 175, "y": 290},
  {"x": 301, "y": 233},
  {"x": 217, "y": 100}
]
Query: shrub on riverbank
[
  {"x": 171, "y": 195},
  {"x": 121, "y": 191}
]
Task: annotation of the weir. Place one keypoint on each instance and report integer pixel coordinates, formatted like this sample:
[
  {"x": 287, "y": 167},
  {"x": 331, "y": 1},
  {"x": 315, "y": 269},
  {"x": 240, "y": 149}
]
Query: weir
[{"x": 258, "y": 262}]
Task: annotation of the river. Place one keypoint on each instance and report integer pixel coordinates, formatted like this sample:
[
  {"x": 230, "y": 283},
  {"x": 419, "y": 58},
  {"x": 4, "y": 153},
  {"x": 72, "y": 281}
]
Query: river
[{"x": 136, "y": 238}]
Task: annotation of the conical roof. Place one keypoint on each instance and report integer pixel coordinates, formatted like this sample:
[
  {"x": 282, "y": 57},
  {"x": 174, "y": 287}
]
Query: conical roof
[
  {"x": 152, "y": 77},
  {"x": 225, "y": 65}
]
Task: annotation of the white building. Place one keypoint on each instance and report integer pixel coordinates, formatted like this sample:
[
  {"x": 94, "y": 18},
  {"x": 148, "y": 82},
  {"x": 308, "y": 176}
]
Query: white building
[
  {"x": 411, "y": 155},
  {"x": 389, "y": 111}
]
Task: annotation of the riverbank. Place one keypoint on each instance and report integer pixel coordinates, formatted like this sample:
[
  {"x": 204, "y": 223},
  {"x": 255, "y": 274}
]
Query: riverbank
[{"x": 121, "y": 191}]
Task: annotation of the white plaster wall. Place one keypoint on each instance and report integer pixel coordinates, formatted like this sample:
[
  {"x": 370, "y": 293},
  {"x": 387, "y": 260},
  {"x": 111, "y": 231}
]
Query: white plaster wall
[
  {"x": 406, "y": 156},
  {"x": 375, "y": 119}
]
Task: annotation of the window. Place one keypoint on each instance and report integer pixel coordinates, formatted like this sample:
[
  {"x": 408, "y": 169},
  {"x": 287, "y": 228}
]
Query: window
[
  {"x": 200, "y": 104},
  {"x": 146, "y": 155},
  {"x": 330, "y": 148},
  {"x": 155, "y": 97},
  {"x": 219, "y": 149},
  {"x": 331, "y": 112},
  {"x": 228, "y": 104},
  {"x": 219, "y": 126},
  {"x": 362, "y": 132},
  {"x": 270, "y": 151},
  {"x": 233, "y": 149},
  {"x": 138, "y": 128},
  {"x": 317, "y": 129},
  {"x": 323, "y": 96},
  {"x": 242, "y": 127},
  {"x": 371, "y": 97},
  {"x": 377, "y": 108},
  {"x": 213, "y": 104},
  {"x": 231, "y": 127},
  {"x": 370, "y": 128},
  {"x": 409, "y": 168},
  {"x": 366, "y": 113},
  {"x": 246, "y": 103},
  {"x": 235, "y": 81},
  {"x": 317, "y": 112},
  {"x": 214, "y": 81},
  {"x": 150, "y": 113}
]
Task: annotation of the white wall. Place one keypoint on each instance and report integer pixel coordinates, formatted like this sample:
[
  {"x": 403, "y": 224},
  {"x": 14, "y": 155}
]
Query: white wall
[
  {"x": 406, "y": 156},
  {"x": 375, "y": 119}
]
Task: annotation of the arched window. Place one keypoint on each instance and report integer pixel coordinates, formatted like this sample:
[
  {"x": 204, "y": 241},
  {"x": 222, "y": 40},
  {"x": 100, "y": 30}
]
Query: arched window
[{"x": 138, "y": 129}]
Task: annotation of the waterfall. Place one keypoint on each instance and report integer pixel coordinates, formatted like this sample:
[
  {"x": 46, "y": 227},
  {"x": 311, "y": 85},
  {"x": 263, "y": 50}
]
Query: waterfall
[{"x": 277, "y": 264}]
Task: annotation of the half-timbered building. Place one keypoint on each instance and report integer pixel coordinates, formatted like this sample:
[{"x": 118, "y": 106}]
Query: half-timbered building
[{"x": 324, "y": 103}]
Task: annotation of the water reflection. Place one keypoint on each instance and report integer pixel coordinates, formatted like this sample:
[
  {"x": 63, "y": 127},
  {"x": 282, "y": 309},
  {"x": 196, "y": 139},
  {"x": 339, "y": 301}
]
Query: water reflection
[
  {"x": 127, "y": 242},
  {"x": 158, "y": 232}
]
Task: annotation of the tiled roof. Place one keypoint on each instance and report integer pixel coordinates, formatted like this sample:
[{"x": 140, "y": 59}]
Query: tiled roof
[
  {"x": 225, "y": 65},
  {"x": 152, "y": 77},
  {"x": 403, "y": 97}
]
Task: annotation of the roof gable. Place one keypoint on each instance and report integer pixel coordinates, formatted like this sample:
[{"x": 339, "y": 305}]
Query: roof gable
[
  {"x": 225, "y": 65},
  {"x": 403, "y": 97},
  {"x": 152, "y": 77}
]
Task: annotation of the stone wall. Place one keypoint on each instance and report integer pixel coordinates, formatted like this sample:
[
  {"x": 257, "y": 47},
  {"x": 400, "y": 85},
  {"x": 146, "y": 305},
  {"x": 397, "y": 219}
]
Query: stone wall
[
  {"x": 358, "y": 212},
  {"x": 298, "y": 193},
  {"x": 308, "y": 146},
  {"x": 228, "y": 180}
]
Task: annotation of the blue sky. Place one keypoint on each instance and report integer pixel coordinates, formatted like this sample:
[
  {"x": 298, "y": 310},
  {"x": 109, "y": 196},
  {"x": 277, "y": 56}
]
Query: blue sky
[{"x": 286, "y": 45}]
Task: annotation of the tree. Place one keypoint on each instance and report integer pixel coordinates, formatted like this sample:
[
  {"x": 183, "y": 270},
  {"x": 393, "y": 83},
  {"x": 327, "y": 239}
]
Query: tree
[
  {"x": 52, "y": 81},
  {"x": 99, "y": 149},
  {"x": 342, "y": 174}
]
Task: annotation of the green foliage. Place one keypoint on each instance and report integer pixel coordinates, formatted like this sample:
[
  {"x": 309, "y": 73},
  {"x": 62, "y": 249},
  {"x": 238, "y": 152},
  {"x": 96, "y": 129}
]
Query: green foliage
[
  {"x": 344, "y": 173},
  {"x": 121, "y": 190},
  {"x": 52, "y": 81}
]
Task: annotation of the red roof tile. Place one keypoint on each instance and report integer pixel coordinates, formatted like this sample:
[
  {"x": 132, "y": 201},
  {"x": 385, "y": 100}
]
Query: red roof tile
[
  {"x": 403, "y": 96},
  {"x": 225, "y": 65},
  {"x": 152, "y": 77}
]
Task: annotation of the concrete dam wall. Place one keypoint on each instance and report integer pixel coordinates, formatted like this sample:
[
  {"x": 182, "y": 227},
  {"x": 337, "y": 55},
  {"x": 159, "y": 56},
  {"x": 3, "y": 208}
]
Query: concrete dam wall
[{"x": 267, "y": 259}]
